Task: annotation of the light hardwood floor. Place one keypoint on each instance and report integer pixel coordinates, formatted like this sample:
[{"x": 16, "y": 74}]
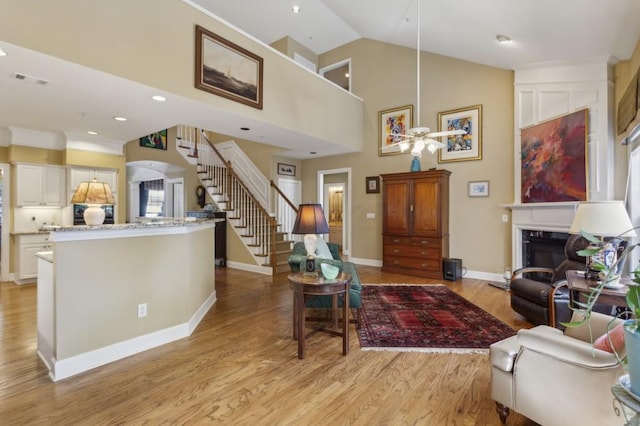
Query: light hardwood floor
[{"x": 240, "y": 367}]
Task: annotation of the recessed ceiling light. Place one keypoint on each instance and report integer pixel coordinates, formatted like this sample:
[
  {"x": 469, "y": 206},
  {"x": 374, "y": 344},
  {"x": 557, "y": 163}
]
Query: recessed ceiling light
[
  {"x": 295, "y": 9},
  {"x": 159, "y": 98},
  {"x": 120, "y": 118},
  {"x": 503, "y": 39},
  {"x": 91, "y": 132},
  {"x": 3, "y": 53}
]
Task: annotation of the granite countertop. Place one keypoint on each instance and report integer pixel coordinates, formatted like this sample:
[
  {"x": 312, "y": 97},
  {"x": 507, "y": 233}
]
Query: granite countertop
[
  {"x": 145, "y": 224},
  {"x": 30, "y": 232}
]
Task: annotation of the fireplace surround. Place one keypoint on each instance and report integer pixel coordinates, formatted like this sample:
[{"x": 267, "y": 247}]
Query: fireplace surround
[{"x": 541, "y": 220}]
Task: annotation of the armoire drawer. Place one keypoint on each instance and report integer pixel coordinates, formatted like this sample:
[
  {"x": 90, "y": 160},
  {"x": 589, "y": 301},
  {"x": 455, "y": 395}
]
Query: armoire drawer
[
  {"x": 412, "y": 263},
  {"x": 430, "y": 252}
]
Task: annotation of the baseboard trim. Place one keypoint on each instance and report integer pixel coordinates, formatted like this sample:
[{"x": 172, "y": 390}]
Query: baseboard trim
[{"x": 64, "y": 368}]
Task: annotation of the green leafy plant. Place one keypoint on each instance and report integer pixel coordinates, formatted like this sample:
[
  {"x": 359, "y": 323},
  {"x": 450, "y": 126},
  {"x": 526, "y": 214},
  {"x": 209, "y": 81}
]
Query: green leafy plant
[{"x": 608, "y": 274}]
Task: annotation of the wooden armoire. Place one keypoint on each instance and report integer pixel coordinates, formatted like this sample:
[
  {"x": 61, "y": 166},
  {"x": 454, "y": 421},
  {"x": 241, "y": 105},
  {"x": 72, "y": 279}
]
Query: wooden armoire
[{"x": 415, "y": 222}]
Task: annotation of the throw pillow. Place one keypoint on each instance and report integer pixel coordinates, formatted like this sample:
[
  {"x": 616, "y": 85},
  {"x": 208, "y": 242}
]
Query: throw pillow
[
  {"x": 322, "y": 251},
  {"x": 614, "y": 337}
]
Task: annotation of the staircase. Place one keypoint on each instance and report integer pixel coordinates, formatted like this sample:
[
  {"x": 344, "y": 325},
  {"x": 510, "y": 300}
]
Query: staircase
[{"x": 245, "y": 195}]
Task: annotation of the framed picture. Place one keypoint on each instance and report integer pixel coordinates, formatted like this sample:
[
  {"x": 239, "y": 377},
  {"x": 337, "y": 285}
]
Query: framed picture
[
  {"x": 553, "y": 159},
  {"x": 228, "y": 70},
  {"x": 286, "y": 169},
  {"x": 391, "y": 124},
  {"x": 461, "y": 147},
  {"x": 479, "y": 189},
  {"x": 373, "y": 184},
  {"x": 155, "y": 140}
]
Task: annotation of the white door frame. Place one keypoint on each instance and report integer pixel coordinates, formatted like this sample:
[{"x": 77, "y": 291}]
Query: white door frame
[
  {"x": 346, "y": 223},
  {"x": 5, "y": 258},
  {"x": 170, "y": 199}
]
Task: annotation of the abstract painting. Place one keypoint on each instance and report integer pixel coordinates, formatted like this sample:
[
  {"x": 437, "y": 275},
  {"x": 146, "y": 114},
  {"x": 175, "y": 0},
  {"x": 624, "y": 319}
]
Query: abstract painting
[
  {"x": 554, "y": 159},
  {"x": 392, "y": 125},
  {"x": 461, "y": 147},
  {"x": 155, "y": 140}
]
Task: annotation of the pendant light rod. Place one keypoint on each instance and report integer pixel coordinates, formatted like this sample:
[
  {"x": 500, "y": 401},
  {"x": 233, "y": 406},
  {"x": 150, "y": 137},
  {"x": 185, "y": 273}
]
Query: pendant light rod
[{"x": 418, "y": 70}]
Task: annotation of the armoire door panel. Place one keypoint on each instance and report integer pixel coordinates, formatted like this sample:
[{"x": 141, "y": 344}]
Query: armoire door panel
[{"x": 396, "y": 208}]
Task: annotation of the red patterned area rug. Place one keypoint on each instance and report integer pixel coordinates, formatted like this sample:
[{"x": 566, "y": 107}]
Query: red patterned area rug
[{"x": 425, "y": 318}]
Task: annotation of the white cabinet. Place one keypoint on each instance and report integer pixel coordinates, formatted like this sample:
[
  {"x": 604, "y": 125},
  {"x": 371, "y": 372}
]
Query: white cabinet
[
  {"x": 40, "y": 185},
  {"x": 77, "y": 175},
  {"x": 28, "y": 246}
]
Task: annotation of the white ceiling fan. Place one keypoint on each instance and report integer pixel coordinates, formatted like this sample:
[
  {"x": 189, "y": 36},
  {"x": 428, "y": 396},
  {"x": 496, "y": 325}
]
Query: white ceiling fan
[{"x": 418, "y": 138}]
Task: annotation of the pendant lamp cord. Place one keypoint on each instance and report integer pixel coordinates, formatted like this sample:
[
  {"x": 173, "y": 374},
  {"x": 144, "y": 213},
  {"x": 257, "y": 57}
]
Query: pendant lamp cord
[{"x": 418, "y": 70}]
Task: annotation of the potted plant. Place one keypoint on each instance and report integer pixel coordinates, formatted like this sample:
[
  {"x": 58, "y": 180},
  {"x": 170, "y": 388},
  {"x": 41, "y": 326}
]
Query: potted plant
[{"x": 631, "y": 326}]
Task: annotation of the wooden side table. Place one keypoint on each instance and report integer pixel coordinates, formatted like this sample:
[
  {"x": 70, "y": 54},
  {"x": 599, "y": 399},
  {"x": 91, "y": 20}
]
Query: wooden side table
[
  {"x": 304, "y": 287},
  {"x": 578, "y": 285}
]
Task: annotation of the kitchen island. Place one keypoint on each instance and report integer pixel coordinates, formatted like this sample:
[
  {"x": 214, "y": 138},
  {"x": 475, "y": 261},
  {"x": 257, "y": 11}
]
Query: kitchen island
[{"x": 107, "y": 292}]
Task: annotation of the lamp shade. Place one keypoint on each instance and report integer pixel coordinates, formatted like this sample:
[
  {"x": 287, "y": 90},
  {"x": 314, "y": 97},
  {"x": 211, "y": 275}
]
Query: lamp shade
[
  {"x": 310, "y": 220},
  {"x": 93, "y": 192},
  {"x": 602, "y": 218}
]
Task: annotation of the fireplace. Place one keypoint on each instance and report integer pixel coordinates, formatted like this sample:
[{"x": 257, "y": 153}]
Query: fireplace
[
  {"x": 549, "y": 221},
  {"x": 542, "y": 249}
]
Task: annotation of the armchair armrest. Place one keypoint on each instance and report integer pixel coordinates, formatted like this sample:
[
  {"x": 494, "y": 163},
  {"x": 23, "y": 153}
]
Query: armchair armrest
[
  {"x": 565, "y": 348},
  {"x": 521, "y": 271}
]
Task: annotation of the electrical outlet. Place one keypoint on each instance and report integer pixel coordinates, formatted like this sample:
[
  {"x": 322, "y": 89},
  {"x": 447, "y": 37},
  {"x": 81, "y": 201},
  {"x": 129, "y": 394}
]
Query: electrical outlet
[
  {"x": 142, "y": 310},
  {"x": 505, "y": 218}
]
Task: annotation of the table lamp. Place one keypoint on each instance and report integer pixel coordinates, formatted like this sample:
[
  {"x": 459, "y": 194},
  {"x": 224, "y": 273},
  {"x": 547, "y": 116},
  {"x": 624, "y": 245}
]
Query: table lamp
[
  {"x": 603, "y": 219},
  {"x": 310, "y": 221},
  {"x": 94, "y": 194}
]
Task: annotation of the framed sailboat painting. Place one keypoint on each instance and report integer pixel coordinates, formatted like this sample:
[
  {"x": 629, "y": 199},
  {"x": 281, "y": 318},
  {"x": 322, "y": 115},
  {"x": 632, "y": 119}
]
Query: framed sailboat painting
[{"x": 228, "y": 70}]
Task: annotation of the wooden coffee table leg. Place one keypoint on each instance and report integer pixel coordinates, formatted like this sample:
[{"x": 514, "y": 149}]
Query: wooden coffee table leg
[
  {"x": 301, "y": 314},
  {"x": 295, "y": 315},
  {"x": 345, "y": 322}
]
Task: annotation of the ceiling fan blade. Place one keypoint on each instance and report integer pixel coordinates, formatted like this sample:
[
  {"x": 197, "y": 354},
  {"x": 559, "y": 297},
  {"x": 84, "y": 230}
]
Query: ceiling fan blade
[{"x": 447, "y": 133}]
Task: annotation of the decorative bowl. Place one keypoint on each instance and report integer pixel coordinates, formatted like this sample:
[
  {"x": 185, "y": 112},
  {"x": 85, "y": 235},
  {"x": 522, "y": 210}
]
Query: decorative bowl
[{"x": 329, "y": 271}]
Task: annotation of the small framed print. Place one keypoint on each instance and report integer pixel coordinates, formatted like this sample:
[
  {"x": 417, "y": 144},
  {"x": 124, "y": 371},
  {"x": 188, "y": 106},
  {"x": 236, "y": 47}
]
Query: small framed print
[
  {"x": 286, "y": 169},
  {"x": 479, "y": 189},
  {"x": 373, "y": 184}
]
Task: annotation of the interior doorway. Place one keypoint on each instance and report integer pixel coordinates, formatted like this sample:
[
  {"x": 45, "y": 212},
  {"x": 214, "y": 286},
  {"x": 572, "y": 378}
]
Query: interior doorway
[
  {"x": 336, "y": 177},
  {"x": 174, "y": 197},
  {"x": 334, "y": 210}
]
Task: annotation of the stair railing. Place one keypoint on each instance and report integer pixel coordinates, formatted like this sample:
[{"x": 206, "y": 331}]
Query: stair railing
[
  {"x": 286, "y": 211},
  {"x": 220, "y": 178}
]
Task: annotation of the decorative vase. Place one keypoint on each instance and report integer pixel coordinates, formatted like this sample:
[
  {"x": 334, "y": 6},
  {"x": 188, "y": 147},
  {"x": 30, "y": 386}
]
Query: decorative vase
[
  {"x": 632, "y": 346},
  {"x": 415, "y": 164}
]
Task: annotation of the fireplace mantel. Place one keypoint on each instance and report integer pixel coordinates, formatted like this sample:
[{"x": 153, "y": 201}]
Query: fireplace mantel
[{"x": 539, "y": 217}]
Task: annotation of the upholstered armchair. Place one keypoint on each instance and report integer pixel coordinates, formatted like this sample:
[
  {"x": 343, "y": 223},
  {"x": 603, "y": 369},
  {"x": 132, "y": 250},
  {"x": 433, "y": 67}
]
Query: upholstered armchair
[
  {"x": 297, "y": 261},
  {"x": 547, "y": 302},
  {"x": 556, "y": 378}
]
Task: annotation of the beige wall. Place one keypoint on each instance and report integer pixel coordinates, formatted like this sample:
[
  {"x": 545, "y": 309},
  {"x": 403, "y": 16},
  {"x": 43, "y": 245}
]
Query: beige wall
[
  {"x": 477, "y": 234},
  {"x": 288, "y": 46},
  {"x": 148, "y": 271},
  {"x": 112, "y": 41}
]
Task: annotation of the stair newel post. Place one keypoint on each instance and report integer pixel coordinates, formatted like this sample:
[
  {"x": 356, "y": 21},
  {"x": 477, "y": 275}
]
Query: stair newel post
[{"x": 229, "y": 187}]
